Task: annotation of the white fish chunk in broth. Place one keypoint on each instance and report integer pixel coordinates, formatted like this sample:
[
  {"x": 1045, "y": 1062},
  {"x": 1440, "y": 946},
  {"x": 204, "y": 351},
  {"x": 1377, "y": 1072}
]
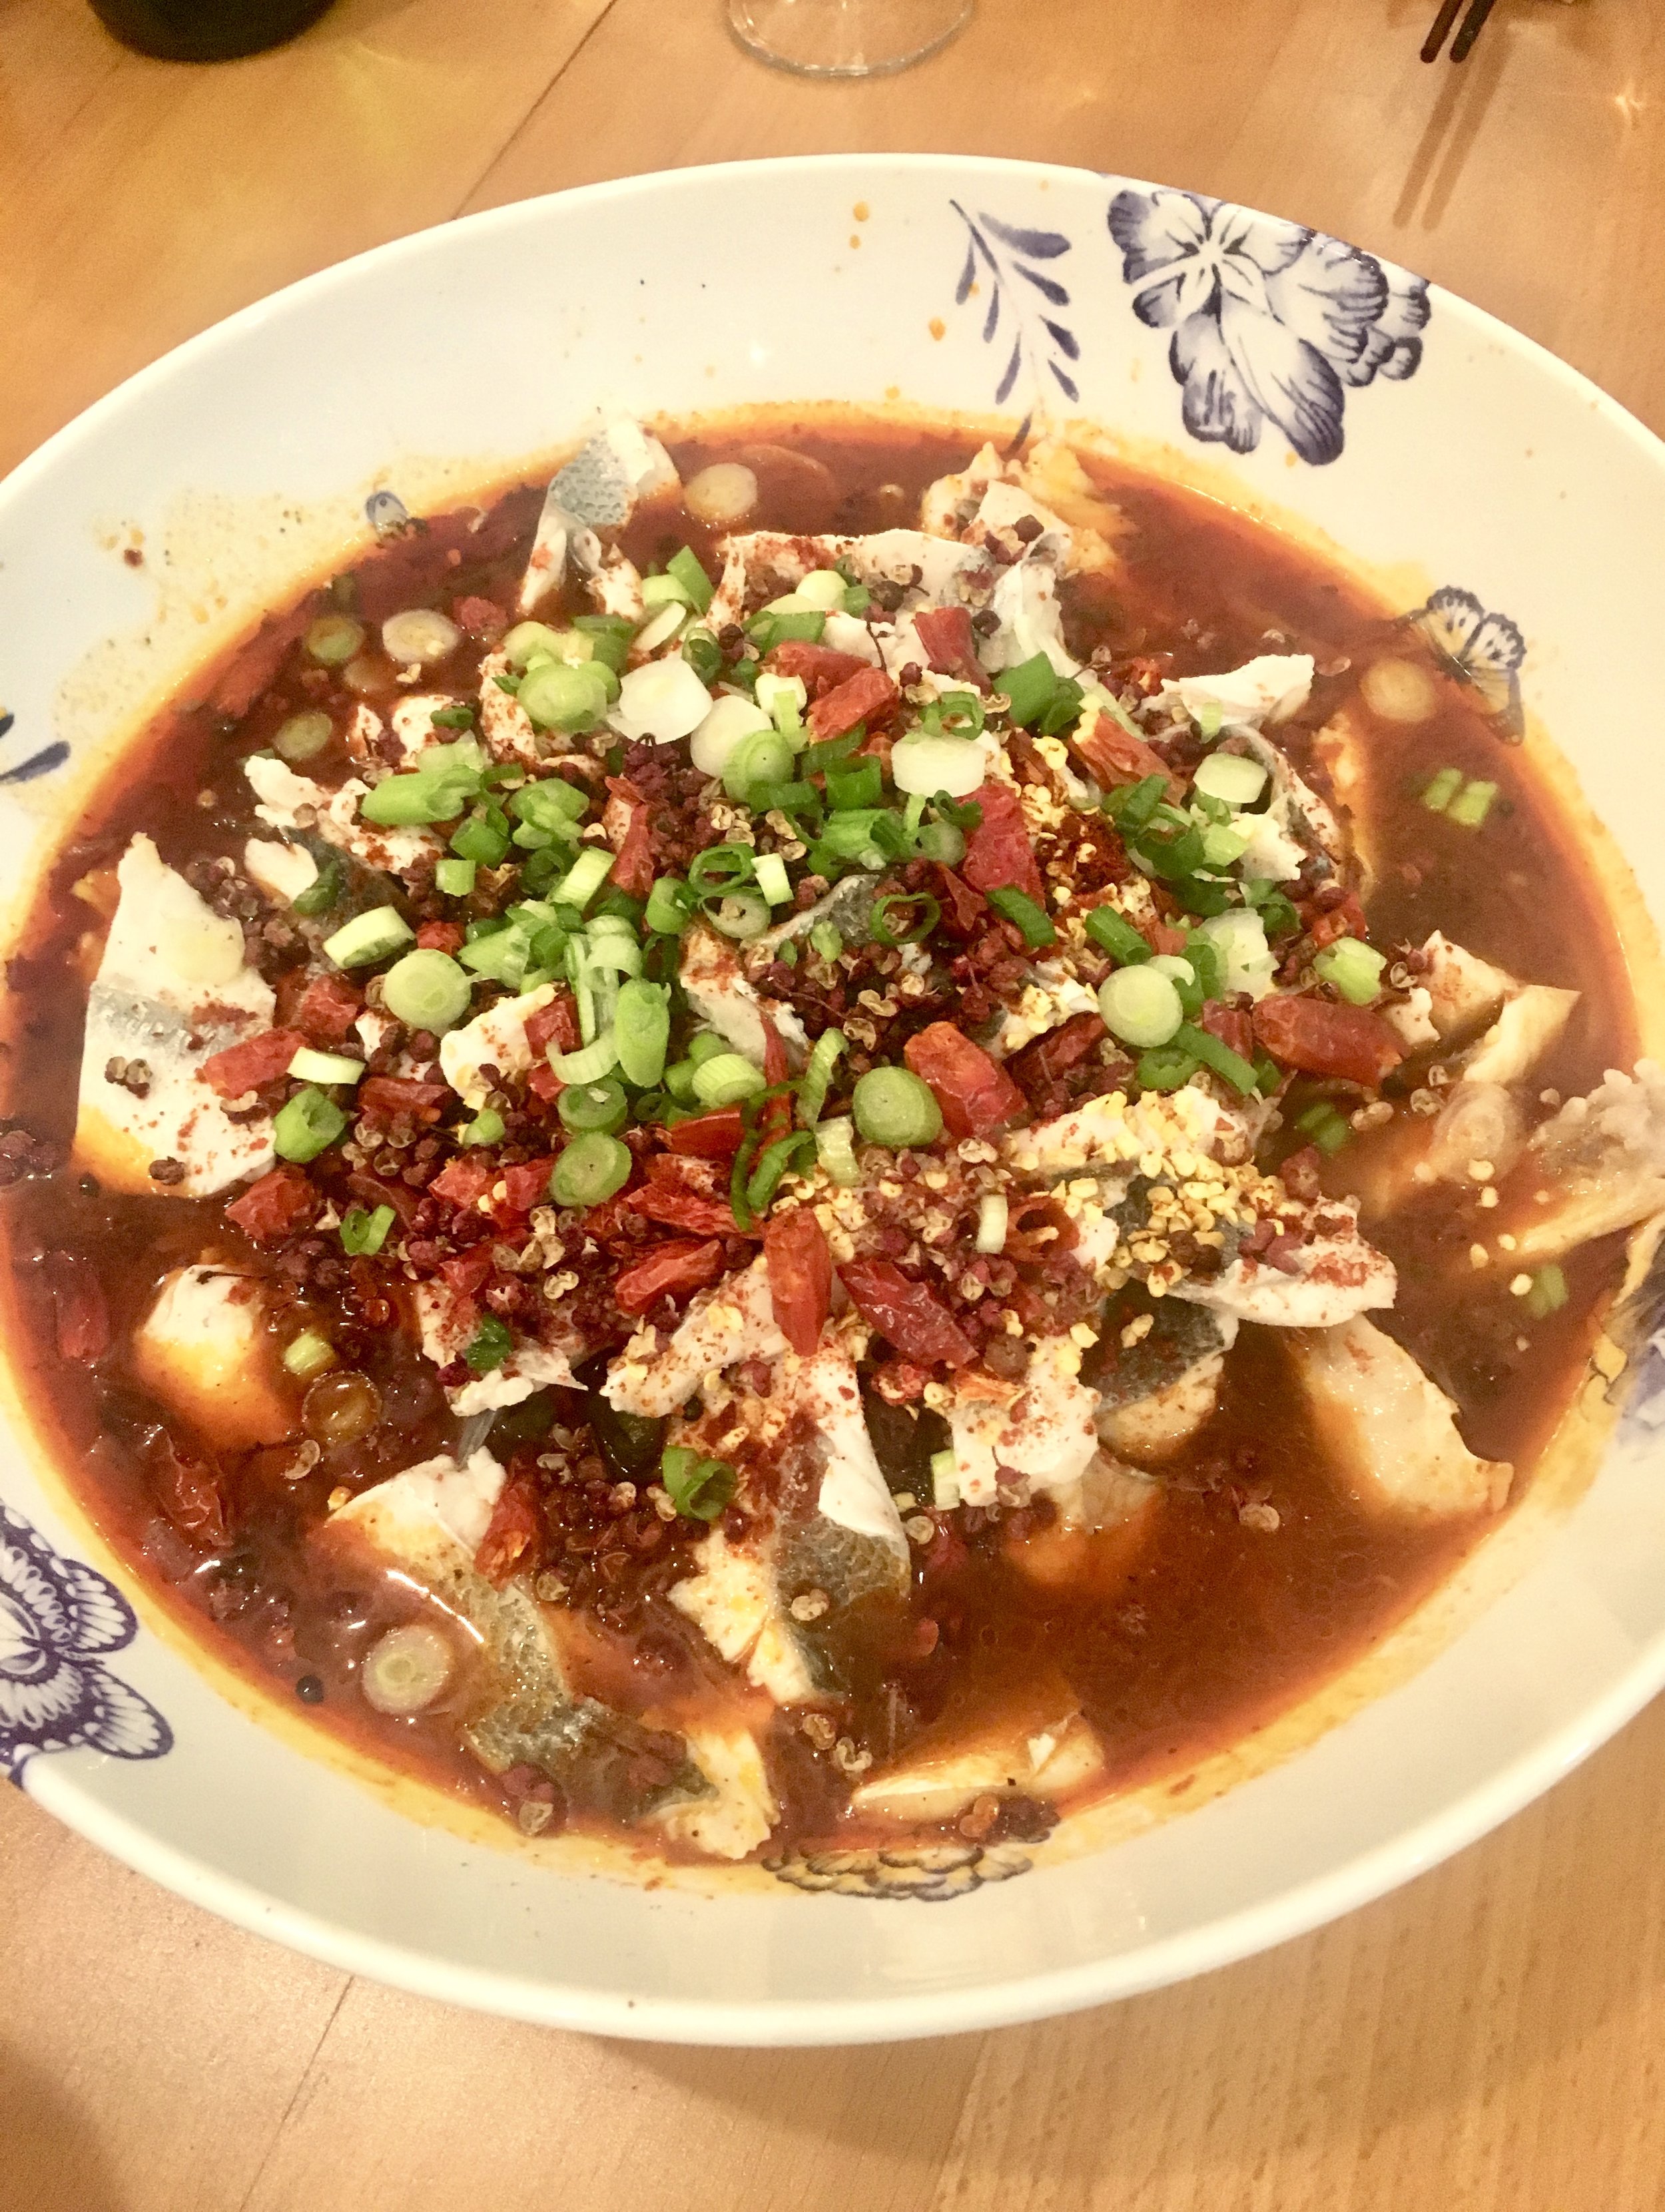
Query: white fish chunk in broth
[
  {"x": 1039, "y": 1746},
  {"x": 204, "y": 1352},
  {"x": 741, "y": 1810},
  {"x": 427, "y": 1524},
  {"x": 172, "y": 988},
  {"x": 1390, "y": 1437},
  {"x": 1325, "y": 1280},
  {"x": 1597, "y": 1167},
  {"x": 717, "y": 989},
  {"x": 447, "y": 1323},
  {"x": 616, "y": 472},
  {"x": 288, "y": 801},
  {"x": 496, "y": 1038},
  {"x": 734, "y": 1321}
]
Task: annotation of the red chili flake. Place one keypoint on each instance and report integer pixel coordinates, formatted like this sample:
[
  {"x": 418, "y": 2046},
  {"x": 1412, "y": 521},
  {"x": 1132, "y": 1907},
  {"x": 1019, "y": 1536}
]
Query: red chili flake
[
  {"x": 950, "y": 643},
  {"x": 684, "y": 1209},
  {"x": 384, "y": 1097},
  {"x": 975, "y": 1094},
  {"x": 514, "y": 1541},
  {"x": 463, "y": 1179},
  {"x": 555, "y": 1024},
  {"x": 439, "y": 936},
  {"x": 192, "y": 1495},
  {"x": 820, "y": 668},
  {"x": 1321, "y": 1038},
  {"x": 669, "y": 1271},
  {"x": 327, "y": 1009},
  {"x": 526, "y": 1185},
  {"x": 625, "y": 824},
  {"x": 467, "y": 1272},
  {"x": 481, "y": 618},
  {"x": 997, "y": 852},
  {"x": 799, "y": 1268},
  {"x": 963, "y": 910},
  {"x": 908, "y": 1314},
  {"x": 1115, "y": 755},
  {"x": 1231, "y": 1026},
  {"x": 249, "y": 1066},
  {"x": 81, "y": 1316},
  {"x": 714, "y": 1136},
  {"x": 863, "y": 697},
  {"x": 275, "y": 1207}
]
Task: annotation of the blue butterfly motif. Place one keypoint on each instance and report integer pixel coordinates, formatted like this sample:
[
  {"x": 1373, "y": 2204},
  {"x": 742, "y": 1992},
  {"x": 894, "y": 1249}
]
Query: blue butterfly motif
[
  {"x": 1484, "y": 650},
  {"x": 1012, "y": 259},
  {"x": 386, "y": 514}
]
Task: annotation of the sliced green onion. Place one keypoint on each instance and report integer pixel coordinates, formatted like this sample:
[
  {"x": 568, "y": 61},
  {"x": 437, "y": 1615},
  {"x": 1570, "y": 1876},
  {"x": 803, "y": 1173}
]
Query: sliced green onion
[
  {"x": 704, "y": 1045},
  {"x": 407, "y": 801},
  {"x": 480, "y": 840},
  {"x": 1210, "y": 718},
  {"x": 1028, "y": 688},
  {"x": 740, "y": 915},
  {"x": 1239, "y": 781},
  {"x": 1472, "y": 805},
  {"x": 720, "y": 868},
  {"x": 584, "y": 1106},
  {"x": 530, "y": 639},
  {"x": 1327, "y": 1128},
  {"x": 1443, "y": 790},
  {"x": 773, "y": 880},
  {"x": 592, "y": 1168},
  {"x": 1352, "y": 968},
  {"x": 309, "y": 1354},
  {"x": 725, "y": 1078},
  {"x": 584, "y": 879},
  {"x": 642, "y": 1031},
  {"x": 824, "y": 1056},
  {"x": 553, "y": 804},
  {"x": 307, "y": 1125},
  {"x": 1141, "y": 1005},
  {"x": 698, "y": 1488},
  {"x": 558, "y": 695},
  {"x": 761, "y": 756},
  {"x": 861, "y": 784},
  {"x": 364, "y": 1233},
  {"x": 1016, "y": 906},
  {"x": 1548, "y": 1293},
  {"x": 302, "y": 736},
  {"x": 704, "y": 654},
  {"x": 836, "y": 1151},
  {"x": 945, "y": 1481},
  {"x": 776, "y": 1161},
  {"x": 658, "y": 593},
  {"x": 1132, "y": 806},
  {"x": 590, "y": 1063},
  {"x": 1168, "y": 1067},
  {"x": 894, "y": 1107},
  {"x": 324, "y": 893},
  {"x": 1231, "y": 1067},
  {"x": 822, "y": 587},
  {"x": 684, "y": 565},
  {"x": 943, "y": 842},
  {"x": 488, "y": 1128},
  {"x": 783, "y": 699},
  {"x": 310, "y": 1066},
  {"x": 333, "y": 640},
  {"x": 827, "y": 752},
  {"x": 491, "y": 1345},
  {"x": 455, "y": 878},
  {"x": 368, "y": 937},
  {"x": 427, "y": 990},
  {"x": 1116, "y": 935},
  {"x": 889, "y": 922},
  {"x": 679, "y": 1082},
  {"x": 776, "y": 625},
  {"x": 670, "y": 906},
  {"x": 956, "y": 714},
  {"x": 457, "y": 716},
  {"x": 993, "y": 1216}
]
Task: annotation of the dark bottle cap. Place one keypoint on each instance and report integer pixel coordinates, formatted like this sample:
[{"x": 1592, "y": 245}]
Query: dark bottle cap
[{"x": 205, "y": 30}]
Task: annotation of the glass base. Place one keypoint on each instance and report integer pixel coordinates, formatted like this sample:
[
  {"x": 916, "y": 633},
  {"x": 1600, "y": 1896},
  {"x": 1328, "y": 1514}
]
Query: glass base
[{"x": 845, "y": 37}]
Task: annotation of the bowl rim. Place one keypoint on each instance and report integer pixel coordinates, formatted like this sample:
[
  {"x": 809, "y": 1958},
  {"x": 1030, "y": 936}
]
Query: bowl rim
[{"x": 1007, "y": 2000}]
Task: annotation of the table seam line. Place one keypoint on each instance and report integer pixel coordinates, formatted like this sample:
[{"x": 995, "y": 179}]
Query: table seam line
[
  {"x": 524, "y": 122},
  {"x": 259, "y": 2175}
]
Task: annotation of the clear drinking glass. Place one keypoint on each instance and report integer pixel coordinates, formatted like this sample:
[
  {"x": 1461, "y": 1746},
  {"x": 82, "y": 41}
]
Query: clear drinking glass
[{"x": 845, "y": 37}]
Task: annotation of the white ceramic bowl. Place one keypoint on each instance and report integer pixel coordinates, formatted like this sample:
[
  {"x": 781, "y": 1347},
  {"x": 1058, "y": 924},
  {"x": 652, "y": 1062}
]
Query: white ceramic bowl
[{"x": 1434, "y": 447}]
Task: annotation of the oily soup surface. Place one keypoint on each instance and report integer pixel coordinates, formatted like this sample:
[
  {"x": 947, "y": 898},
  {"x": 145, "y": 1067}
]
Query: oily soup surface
[{"x": 1254, "y": 1573}]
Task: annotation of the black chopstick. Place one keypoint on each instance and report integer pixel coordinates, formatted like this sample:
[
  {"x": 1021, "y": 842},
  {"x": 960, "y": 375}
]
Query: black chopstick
[{"x": 1472, "y": 24}]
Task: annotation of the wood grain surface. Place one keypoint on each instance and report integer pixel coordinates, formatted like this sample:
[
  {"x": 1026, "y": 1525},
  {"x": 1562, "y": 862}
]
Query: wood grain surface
[{"x": 1489, "y": 2037}]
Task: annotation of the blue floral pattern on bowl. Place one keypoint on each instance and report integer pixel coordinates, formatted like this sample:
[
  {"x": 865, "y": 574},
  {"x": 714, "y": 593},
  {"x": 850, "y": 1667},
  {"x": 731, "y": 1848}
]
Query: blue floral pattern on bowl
[
  {"x": 59, "y": 1620},
  {"x": 1271, "y": 321},
  {"x": 40, "y": 763},
  {"x": 1010, "y": 260}
]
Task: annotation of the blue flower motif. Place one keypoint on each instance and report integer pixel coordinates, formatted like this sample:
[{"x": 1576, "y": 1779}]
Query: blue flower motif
[
  {"x": 58, "y": 1619},
  {"x": 1003, "y": 253},
  {"x": 40, "y": 763},
  {"x": 1271, "y": 321}
]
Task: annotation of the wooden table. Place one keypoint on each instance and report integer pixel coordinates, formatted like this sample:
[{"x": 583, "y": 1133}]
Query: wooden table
[{"x": 1486, "y": 2039}]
